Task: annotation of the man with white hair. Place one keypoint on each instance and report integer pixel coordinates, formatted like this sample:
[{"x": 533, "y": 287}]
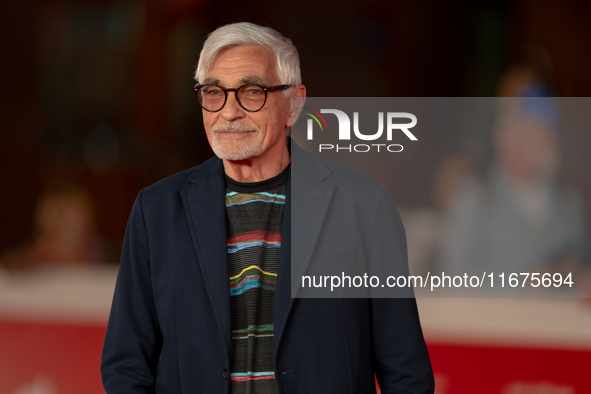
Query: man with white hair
[{"x": 203, "y": 303}]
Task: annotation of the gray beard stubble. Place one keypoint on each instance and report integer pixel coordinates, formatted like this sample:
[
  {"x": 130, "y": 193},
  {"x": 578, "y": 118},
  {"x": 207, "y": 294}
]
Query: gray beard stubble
[{"x": 250, "y": 146}]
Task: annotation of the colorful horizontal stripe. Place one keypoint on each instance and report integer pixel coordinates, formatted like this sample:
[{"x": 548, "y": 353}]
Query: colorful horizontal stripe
[
  {"x": 235, "y": 248},
  {"x": 248, "y": 270},
  {"x": 244, "y": 376},
  {"x": 230, "y": 194},
  {"x": 248, "y": 335},
  {"x": 250, "y": 278},
  {"x": 266, "y": 236},
  {"x": 249, "y": 201},
  {"x": 251, "y": 284},
  {"x": 255, "y": 328},
  {"x": 247, "y": 198},
  {"x": 255, "y": 238}
]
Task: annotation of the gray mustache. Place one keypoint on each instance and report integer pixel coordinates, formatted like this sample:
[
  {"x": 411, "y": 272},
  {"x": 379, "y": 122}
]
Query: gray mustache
[{"x": 233, "y": 127}]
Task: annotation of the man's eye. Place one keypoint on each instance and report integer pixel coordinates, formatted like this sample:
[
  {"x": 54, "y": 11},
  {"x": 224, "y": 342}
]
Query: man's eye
[
  {"x": 253, "y": 91},
  {"x": 212, "y": 91}
]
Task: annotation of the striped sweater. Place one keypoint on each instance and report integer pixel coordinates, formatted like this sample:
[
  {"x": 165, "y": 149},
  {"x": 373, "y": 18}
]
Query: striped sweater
[{"x": 254, "y": 218}]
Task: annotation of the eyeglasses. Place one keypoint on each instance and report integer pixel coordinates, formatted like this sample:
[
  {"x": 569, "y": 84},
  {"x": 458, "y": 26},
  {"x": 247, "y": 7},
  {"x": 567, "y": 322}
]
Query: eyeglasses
[{"x": 250, "y": 97}]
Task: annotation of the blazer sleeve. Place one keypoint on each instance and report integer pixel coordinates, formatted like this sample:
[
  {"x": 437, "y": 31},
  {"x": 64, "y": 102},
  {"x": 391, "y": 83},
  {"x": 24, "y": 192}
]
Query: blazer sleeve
[
  {"x": 400, "y": 356},
  {"x": 133, "y": 340}
]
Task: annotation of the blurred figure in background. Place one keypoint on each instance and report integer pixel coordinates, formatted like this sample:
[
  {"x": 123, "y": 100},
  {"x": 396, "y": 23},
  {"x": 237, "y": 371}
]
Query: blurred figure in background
[
  {"x": 534, "y": 67},
  {"x": 64, "y": 233},
  {"x": 425, "y": 225},
  {"x": 518, "y": 217}
]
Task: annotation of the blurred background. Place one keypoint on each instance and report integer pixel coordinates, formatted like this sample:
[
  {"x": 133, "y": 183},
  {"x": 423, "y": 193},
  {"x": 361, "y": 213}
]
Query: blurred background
[{"x": 96, "y": 103}]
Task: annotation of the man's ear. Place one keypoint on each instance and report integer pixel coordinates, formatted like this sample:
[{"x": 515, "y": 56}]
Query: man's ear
[{"x": 298, "y": 100}]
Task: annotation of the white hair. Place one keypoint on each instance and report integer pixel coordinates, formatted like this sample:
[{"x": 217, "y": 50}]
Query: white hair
[{"x": 245, "y": 33}]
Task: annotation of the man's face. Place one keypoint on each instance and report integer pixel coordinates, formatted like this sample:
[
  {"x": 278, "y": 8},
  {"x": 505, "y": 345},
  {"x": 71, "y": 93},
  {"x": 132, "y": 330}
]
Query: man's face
[{"x": 234, "y": 133}]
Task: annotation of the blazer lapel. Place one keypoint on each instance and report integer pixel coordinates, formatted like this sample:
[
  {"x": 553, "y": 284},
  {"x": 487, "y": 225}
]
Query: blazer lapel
[
  {"x": 308, "y": 198},
  {"x": 206, "y": 213}
]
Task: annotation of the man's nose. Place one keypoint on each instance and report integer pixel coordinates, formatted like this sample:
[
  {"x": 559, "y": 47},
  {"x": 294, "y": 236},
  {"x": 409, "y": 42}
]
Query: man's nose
[{"x": 232, "y": 109}]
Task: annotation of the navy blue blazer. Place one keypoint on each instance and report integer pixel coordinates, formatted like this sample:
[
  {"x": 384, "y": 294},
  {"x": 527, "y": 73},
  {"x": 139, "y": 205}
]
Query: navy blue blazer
[{"x": 169, "y": 329}]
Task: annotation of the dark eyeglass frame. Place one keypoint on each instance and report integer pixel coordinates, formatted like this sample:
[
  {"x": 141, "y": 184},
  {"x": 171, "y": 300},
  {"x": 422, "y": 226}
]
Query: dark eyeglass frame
[{"x": 198, "y": 87}]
